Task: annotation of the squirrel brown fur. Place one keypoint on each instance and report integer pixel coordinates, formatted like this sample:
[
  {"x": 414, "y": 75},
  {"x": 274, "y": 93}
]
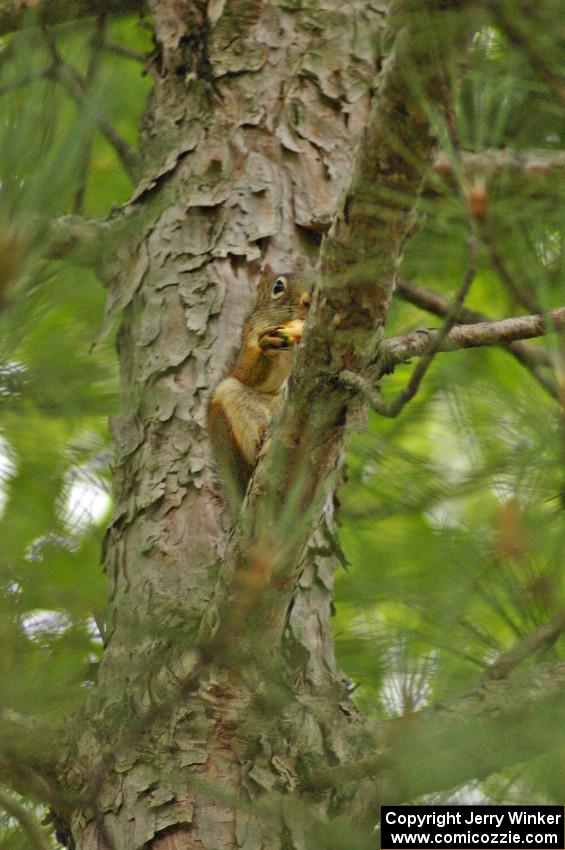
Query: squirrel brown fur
[{"x": 243, "y": 402}]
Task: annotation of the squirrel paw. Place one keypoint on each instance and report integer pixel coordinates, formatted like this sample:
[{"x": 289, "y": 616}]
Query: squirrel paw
[
  {"x": 262, "y": 442},
  {"x": 272, "y": 340}
]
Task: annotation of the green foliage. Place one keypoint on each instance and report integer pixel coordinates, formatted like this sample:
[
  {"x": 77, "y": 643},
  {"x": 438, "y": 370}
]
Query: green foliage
[
  {"x": 58, "y": 385},
  {"x": 453, "y": 517}
]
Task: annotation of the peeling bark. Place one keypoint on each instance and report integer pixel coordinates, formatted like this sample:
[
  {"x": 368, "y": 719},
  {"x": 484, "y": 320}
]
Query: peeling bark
[{"x": 248, "y": 141}]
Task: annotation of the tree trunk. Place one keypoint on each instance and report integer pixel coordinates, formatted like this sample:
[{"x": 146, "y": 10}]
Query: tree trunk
[{"x": 247, "y": 141}]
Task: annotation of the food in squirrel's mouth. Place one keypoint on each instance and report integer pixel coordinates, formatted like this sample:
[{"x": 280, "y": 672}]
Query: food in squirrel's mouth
[{"x": 292, "y": 330}]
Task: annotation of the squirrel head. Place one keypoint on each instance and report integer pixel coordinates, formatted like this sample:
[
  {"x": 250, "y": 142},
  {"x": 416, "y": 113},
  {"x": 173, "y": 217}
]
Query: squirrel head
[{"x": 285, "y": 294}]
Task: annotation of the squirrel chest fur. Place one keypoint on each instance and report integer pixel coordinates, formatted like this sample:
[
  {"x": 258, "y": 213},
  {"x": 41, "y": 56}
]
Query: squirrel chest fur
[{"x": 243, "y": 402}]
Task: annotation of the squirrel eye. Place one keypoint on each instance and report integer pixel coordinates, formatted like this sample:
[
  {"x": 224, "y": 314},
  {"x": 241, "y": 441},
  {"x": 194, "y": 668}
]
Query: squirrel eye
[{"x": 279, "y": 287}]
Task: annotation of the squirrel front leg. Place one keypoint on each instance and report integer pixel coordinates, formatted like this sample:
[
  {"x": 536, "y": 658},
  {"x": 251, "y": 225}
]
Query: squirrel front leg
[{"x": 238, "y": 419}]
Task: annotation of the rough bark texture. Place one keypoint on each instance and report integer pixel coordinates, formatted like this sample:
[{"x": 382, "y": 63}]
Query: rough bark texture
[
  {"x": 250, "y": 132},
  {"x": 359, "y": 257}
]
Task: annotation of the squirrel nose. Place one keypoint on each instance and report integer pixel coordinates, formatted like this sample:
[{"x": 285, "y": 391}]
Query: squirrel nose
[{"x": 306, "y": 300}]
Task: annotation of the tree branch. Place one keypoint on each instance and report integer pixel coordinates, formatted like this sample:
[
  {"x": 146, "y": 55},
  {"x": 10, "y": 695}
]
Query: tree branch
[
  {"x": 26, "y": 820},
  {"x": 530, "y": 357},
  {"x": 85, "y": 242},
  {"x": 426, "y": 342},
  {"x": 516, "y": 164},
  {"x": 541, "y": 639},
  {"x": 418, "y": 343},
  {"x": 514, "y": 720},
  {"x": 76, "y": 86},
  {"x": 82, "y": 241},
  {"x": 29, "y": 752},
  {"x": 437, "y": 748},
  {"x": 15, "y": 14}
]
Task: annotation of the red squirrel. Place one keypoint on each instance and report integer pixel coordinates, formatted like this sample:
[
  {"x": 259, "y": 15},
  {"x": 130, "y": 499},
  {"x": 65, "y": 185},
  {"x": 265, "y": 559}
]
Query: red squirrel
[{"x": 243, "y": 402}]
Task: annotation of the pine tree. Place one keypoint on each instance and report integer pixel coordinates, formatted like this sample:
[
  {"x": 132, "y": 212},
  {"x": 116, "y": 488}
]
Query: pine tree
[{"x": 381, "y": 622}]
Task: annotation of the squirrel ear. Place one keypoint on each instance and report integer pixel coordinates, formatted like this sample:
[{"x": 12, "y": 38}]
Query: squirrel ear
[
  {"x": 253, "y": 268},
  {"x": 266, "y": 280}
]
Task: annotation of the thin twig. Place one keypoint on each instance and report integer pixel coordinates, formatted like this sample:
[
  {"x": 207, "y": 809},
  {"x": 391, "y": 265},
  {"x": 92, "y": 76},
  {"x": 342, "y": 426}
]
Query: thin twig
[
  {"x": 26, "y": 80},
  {"x": 410, "y": 390},
  {"x": 432, "y": 302},
  {"x": 541, "y": 639},
  {"x": 530, "y": 357},
  {"x": 97, "y": 42},
  {"x": 96, "y": 47},
  {"x": 521, "y": 37},
  {"x": 366, "y": 388},
  {"x": 520, "y": 295},
  {"x": 129, "y": 158},
  {"x": 126, "y": 52},
  {"x": 75, "y": 85},
  {"x": 26, "y": 820}
]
